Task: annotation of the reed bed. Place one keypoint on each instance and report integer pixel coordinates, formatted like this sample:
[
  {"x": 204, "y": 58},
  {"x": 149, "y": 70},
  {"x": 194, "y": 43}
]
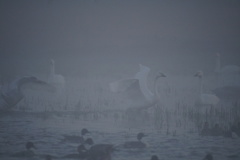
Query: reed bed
[{"x": 91, "y": 98}]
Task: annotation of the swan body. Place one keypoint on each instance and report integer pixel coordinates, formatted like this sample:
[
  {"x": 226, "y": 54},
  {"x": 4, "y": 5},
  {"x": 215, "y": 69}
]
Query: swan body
[
  {"x": 228, "y": 78},
  {"x": 12, "y": 93},
  {"x": 227, "y": 75},
  {"x": 228, "y": 93},
  {"x": 56, "y": 80},
  {"x": 205, "y": 99},
  {"x": 136, "y": 89}
]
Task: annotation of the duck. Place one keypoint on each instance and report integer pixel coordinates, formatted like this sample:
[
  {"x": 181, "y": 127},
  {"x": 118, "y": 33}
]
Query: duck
[
  {"x": 208, "y": 157},
  {"x": 99, "y": 151},
  {"x": 136, "y": 144},
  {"x": 76, "y": 139},
  {"x": 27, "y": 153},
  {"x": 82, "y": 153},
  {"x": 154, "y": 157},
  {"x": 48, "y": 157}
]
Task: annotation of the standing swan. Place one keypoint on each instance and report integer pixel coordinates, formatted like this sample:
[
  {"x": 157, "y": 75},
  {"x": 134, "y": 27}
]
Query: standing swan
[
  {"x": 205, "y": 99},
  {"x": 228, "y": 75},
  {"x": 12, "y": 93},
  {"x": 228, "y": 80},
  {"x": 136, "y": 91},
  {"x": 56, "y": 80},
  {"x": 136, "y": 88}
]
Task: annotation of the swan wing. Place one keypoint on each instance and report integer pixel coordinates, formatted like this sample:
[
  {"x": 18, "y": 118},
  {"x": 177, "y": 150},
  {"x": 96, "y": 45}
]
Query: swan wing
[
  {"x": 40, "y": 86},
  {"x": 228, "y": 92},
  {"x": 122, "y": 85}
]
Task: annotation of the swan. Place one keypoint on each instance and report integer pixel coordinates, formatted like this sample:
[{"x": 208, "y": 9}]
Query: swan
[
  {"x": 56, "y": 80},
  {"x": 228, "y": 93},
  {"x": 228, "y": 75},
  {"x": 205, "y": 99},
  {"x": 136, "y": 89},
  {"x": 228, "y": 78},
  {"x": 12, "y": 93}
]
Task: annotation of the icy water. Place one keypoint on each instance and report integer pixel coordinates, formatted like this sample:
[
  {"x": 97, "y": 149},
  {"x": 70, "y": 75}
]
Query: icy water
[{"x": 47, "y": 134}]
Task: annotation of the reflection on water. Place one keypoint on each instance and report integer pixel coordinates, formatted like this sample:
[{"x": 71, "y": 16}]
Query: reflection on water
[{"x": 47, "y": 134}]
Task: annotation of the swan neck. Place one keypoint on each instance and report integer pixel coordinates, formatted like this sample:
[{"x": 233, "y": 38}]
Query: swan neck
[
  {"x": 144, "y": 88},
  {"x": 200, "y": 85},
  {"x": 218, "y": 64},
  {"x": 156, "y": 94},
  {"x": 52, "y": 69}
]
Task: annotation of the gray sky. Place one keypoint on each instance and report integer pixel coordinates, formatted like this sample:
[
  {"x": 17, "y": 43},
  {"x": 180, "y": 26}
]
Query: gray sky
[{"x": 106, "y": 36}]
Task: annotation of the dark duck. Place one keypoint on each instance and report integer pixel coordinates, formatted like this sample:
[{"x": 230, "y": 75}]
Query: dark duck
[
  {"x": 136, "y": 144},
  {"x": 75, "y": 138},
  {"x": 99, "y": 151},
  {"x": 154, "y": 157},
  {"x": 28, "y": 152},
  {"x": 208, "y": 157},
  {"x": 82, "y": 153}
]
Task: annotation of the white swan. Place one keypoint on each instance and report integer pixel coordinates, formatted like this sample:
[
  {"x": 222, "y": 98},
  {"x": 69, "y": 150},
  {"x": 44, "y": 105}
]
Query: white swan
[
  {"x": 205, "y": 99},
  {"x": 12, "y": 93},
  {"x": 56, "y": 80},
  {"x": 228, "y": 75},
  {"x": 228, "y": 79},
  {"x": 136, "y": 88}
]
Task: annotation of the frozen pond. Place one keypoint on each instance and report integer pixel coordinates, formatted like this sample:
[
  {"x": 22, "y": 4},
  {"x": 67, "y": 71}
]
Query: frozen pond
[{"x": 47, "y": 134}]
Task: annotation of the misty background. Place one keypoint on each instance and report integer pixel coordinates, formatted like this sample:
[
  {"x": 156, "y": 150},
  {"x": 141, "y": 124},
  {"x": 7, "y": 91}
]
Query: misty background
[{"x": 107, "y": 37}]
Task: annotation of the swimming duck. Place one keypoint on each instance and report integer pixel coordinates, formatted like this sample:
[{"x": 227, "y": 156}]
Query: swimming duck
[
  {"x": 82, "y": 153},
  {"x": 99, "y": 151},
  {"x": 27, "y": 153},
  {"x": 154, "y": 157},
  {"x": 76, "y": 139},
  {"x": 48, "y": 157},
  {"x": 208, "y": 157},
  {"x": 136, "y": 144}
]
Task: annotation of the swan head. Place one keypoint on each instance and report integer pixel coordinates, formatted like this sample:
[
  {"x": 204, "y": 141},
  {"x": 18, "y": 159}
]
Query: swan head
[
  {"x": 160, "y": 74},
  {"x": 199, "y": 74},
  {"x": 143, "y": 68},
  {"x": 52, "y": 62}
]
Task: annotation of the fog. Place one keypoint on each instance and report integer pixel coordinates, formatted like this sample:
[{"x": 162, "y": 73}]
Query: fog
[
  {"x": 113, "y": 37},
  {"x": 119, "y": 68}
]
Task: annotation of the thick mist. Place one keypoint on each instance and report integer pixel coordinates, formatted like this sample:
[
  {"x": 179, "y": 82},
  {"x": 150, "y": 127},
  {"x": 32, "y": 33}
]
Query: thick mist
[
  {"x": 122, "y": 69},
  {"x": 111, "y": 37}
]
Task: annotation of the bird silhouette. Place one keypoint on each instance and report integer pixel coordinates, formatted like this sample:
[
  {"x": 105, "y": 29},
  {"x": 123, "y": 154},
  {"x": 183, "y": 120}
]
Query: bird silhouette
[
  {"x": 12, "y": 93},
  {"x": 136, "y": 89},
  {"x": 205, "y": 99}
]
